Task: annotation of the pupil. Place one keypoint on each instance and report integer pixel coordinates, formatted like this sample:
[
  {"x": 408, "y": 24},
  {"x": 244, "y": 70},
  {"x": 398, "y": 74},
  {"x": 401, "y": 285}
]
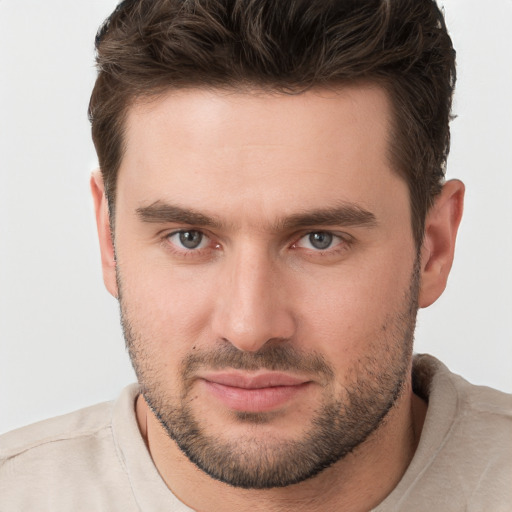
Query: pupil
[
  {"x": 320, "y": 240},
  {"x": 190, "y": 239}
]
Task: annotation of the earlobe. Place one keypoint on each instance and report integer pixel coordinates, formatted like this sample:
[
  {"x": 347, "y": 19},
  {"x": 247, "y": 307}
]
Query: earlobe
[
  {"x": 441, "y": 225},
  {"x": 108, "y": 261}
]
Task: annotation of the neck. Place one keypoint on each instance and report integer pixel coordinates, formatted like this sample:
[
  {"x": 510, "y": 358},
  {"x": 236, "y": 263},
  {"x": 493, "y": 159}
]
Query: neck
[{"x": 358, "y": 482}]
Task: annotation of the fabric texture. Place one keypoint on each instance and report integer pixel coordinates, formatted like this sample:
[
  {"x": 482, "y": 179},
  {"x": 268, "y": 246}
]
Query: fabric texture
[{"x": 95, "y": 459}]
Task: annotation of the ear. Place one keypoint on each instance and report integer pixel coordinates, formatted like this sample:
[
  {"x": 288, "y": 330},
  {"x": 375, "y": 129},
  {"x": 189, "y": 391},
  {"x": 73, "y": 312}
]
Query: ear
[
  {"x": 441, "y": 225},
  {"x": 108, "y": 260}
]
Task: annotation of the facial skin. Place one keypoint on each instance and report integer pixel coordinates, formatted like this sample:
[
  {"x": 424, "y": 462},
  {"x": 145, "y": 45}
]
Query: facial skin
[{"x": 268, "y": 282}]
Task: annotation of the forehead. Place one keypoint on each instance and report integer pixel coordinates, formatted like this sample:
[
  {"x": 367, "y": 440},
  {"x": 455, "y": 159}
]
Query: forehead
[
  {"x": 218, "y": 117},
  {"x": 257, "y": 148}
]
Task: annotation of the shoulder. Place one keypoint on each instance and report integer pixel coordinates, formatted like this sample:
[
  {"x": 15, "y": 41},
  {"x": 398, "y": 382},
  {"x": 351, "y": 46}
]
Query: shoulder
[
  {"x": 481, "y": 433},
  {"x": 464, "y": 457},
  {"x": 65, "y": 462},
  {"x": 449, "y": 393},
  {"x": 76, "y": 425},
  {"x": 474, "y": 420}
]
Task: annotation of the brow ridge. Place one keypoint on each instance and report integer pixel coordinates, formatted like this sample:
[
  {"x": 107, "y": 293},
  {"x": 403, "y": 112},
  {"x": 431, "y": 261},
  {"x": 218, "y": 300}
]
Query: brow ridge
[
  {"x": 160, "y": 212},
  {"x": 345, "y": 215}
]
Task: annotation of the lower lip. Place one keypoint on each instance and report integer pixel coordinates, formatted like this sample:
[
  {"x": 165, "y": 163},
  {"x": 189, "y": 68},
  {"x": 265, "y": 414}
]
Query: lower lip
[{"x": 254, "y": 400}]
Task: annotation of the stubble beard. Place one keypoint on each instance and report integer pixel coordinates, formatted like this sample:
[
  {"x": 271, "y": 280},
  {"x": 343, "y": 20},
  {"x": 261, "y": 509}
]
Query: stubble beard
[{"x": 342, "y": 422}]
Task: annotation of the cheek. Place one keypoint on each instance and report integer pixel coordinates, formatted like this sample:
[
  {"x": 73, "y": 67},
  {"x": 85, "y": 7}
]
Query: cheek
[
  {"x": 166, "y": 306},
  {"x": 351, "y": 310}
]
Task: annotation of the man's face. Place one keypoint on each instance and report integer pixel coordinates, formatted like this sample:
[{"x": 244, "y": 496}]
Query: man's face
[{"x": 267, "y": 275}]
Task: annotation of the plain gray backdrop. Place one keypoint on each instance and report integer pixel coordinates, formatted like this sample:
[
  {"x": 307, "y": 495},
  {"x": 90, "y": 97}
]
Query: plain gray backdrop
[{"x": 61, "y": 346}]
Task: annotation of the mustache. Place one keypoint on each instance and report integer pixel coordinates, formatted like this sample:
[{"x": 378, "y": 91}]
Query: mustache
[{"x": 275, "y": 356}]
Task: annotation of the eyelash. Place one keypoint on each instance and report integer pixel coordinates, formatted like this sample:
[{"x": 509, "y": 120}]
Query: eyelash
[
  {"x": 336, "y": 240},
  {"x": 344, "y": 243},
  {"x": 184, "y": 252}
]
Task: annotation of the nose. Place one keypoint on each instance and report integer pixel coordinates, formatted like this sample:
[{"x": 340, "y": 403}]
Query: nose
[{"x": 251, "y": 307}]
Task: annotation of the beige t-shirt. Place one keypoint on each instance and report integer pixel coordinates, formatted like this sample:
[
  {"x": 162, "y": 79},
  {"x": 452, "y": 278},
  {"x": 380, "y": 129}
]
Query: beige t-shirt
[{"x": 95, "y": 459}]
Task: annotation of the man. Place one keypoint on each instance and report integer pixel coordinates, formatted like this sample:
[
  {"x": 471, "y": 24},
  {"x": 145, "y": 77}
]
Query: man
[{"x": 272, "y": 211}]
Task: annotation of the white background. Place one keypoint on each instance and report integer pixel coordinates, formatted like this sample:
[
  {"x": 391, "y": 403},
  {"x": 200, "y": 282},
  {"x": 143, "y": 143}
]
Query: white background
[{"x": 61, "y": 346}]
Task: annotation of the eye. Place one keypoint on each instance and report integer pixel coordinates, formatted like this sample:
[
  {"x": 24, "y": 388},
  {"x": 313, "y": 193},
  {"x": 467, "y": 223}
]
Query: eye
[
  {"x": 189, "y": 239},
  {"x": 319, "y": 241}
]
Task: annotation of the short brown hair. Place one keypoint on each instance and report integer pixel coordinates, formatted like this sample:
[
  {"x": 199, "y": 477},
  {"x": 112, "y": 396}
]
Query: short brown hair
[{"x": 148, "y": 46}]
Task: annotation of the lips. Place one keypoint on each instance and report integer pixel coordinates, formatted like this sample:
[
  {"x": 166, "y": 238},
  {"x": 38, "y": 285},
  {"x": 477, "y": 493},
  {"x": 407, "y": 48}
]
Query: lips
[{"x": 261, "y": 392}]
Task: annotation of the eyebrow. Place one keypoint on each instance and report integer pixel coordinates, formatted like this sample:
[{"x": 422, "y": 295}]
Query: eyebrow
[
  {"x": 345, "y": 215},
  {"x": 160, "y": 212}
]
